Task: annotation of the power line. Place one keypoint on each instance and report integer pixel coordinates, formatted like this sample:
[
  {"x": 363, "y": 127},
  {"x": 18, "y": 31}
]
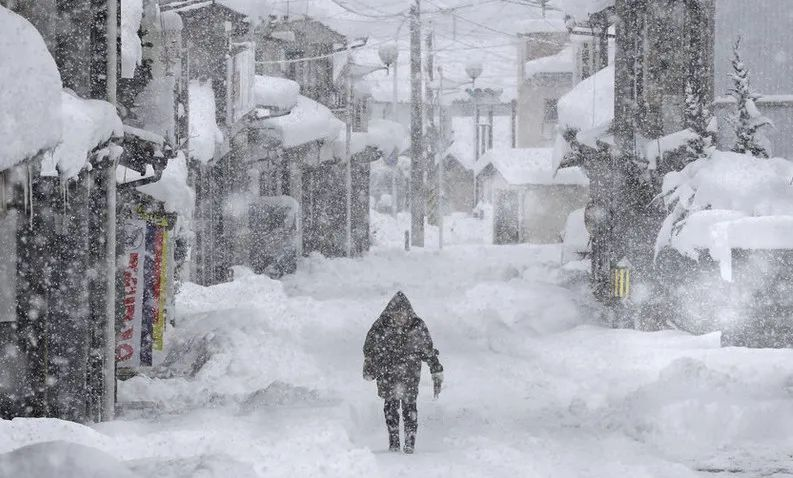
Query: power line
[{"x": 368, "y": 15}]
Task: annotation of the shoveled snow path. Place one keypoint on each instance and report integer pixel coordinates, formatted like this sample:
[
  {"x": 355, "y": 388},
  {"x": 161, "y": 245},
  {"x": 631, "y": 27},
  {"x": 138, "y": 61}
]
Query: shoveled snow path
[{"x": 535, "y": 386}]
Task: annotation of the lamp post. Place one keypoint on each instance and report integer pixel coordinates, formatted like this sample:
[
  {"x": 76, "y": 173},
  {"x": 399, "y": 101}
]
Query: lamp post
[
  {"x": 389, "y": 55},
  {"x": 474, "y": 70}
]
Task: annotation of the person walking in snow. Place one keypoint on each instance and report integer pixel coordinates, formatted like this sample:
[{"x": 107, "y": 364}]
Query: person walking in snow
[{"x": 395, "y": 346}]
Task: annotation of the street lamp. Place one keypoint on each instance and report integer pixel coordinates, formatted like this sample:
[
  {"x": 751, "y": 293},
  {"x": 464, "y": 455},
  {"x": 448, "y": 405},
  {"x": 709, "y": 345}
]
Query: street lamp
[
  {"x": 474, "y": 70},
  {"x": 389, "y": 55}
]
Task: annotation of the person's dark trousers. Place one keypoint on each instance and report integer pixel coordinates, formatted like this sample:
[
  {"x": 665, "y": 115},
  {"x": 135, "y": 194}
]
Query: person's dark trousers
[{"x": 409, "y": 414}]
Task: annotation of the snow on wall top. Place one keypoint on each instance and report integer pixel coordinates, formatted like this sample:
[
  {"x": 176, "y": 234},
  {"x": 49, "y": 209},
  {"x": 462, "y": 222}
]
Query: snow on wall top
[
  {"x": 204, "y": 131},
  {"x": 591, "y": 103},
  {"x": 728, "y": 201},
  {"x": 31, "y": 90},
  {"x": 581, "y": 9},
  {"x": 87, "y": 124},
  {"x": 520, "y": 166},
  {"x": 131, "y": 48},
  {"x": 277, "y": 92},
  {"x": 562, "y": 62},
  {"x": 308, "y": 121}
]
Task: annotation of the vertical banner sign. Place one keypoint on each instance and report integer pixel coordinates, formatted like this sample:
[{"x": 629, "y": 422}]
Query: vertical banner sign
[
  {"x": 150, "y": 302},
  {"x": 129, "y": 337},
  {"x": 160, "y": 285}
]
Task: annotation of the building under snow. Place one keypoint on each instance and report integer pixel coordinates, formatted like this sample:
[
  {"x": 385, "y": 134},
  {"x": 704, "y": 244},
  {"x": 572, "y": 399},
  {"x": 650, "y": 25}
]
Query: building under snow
[{"x": 531, "y": 199}]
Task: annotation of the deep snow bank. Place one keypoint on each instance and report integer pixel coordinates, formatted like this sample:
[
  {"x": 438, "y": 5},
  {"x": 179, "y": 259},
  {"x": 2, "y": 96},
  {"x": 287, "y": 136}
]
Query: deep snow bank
[
  {"x": 232, "y": 340},
  {"x": 61, "y": 459}
]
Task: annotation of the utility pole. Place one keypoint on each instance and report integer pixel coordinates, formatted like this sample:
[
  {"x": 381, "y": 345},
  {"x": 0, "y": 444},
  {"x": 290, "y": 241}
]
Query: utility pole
[
  {"x": 442, "y": 159},
  {"x": 431, "y": 126},
  {"x": 417, "y": 199},
  {"x": 109, "y": 326},
  {"x": 348, "y": 157},
  {"x": 395, "y": 119}
]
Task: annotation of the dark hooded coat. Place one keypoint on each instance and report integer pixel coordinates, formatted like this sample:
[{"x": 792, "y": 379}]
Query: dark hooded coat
[{"x": 393, "y": 354}]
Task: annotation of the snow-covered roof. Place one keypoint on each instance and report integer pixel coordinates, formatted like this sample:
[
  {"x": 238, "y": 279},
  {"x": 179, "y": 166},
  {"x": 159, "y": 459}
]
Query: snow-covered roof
[
  {"x": 590, "y": 103},
  {"x": 581, "y": 9},
  {"x": 204, "y": 131},
  {"x": 131, "y": 48},
  {"x": 562, "y": 62},
  {"x": 385, "y": 135},
  {"x": 172, "y": 188},
  {"x": 276, "y": 92},
  {"x": 309, "y": 121},
  {"x": 723, "y": 202},
  {"x": 543, "y": 25},
  {"x": 462, "y": 147},
  {"x": 30, "y": 94},
  {"x": 519, "y": 166},
  {"x": 87, "y": 124}
]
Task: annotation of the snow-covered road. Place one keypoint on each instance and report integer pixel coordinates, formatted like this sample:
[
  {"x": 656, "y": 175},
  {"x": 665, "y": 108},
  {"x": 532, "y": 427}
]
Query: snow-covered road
[{"x": 263, "y": 378}]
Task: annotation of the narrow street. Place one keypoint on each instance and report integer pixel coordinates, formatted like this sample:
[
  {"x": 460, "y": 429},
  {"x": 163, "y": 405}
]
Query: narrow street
[{"x": 535, "y": 386}]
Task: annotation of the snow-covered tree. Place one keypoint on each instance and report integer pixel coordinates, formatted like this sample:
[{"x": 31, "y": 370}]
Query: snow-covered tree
[
  {"x": 697, "y": 118},
  {"x": 747, "y": 120}
]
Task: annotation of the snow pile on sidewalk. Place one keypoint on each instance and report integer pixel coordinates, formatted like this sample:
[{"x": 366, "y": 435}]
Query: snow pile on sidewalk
[
  {"x": 728, "y": 201},
  {"x": 30, "y": 94},
  {"x": 204, "y": 132},
  {"x": 276, "y": 92},
  {"x": 225, "y": 361},
  {"x": 87, "y": 125},
  {"x": 61, "y": 458}
]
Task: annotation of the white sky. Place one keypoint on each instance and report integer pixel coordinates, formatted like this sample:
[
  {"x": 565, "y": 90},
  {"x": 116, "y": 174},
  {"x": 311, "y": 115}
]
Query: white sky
[{"x": 467, "y": 30}]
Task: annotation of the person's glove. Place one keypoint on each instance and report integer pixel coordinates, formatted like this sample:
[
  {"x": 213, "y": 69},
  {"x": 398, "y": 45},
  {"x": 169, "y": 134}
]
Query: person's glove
[
  {"x": 368, "y": 374},
  {"x": 437, "y": 383}
]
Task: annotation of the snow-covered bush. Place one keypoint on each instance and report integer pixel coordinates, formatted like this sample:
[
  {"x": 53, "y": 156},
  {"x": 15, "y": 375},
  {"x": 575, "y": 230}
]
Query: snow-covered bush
[{"x": 727, "y": 201}]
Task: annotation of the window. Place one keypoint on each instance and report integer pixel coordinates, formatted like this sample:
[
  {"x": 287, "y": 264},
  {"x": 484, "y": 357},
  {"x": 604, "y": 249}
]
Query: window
[
  {"x": 551, "y": 110},
  {"x": 586, "y": 69}
]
